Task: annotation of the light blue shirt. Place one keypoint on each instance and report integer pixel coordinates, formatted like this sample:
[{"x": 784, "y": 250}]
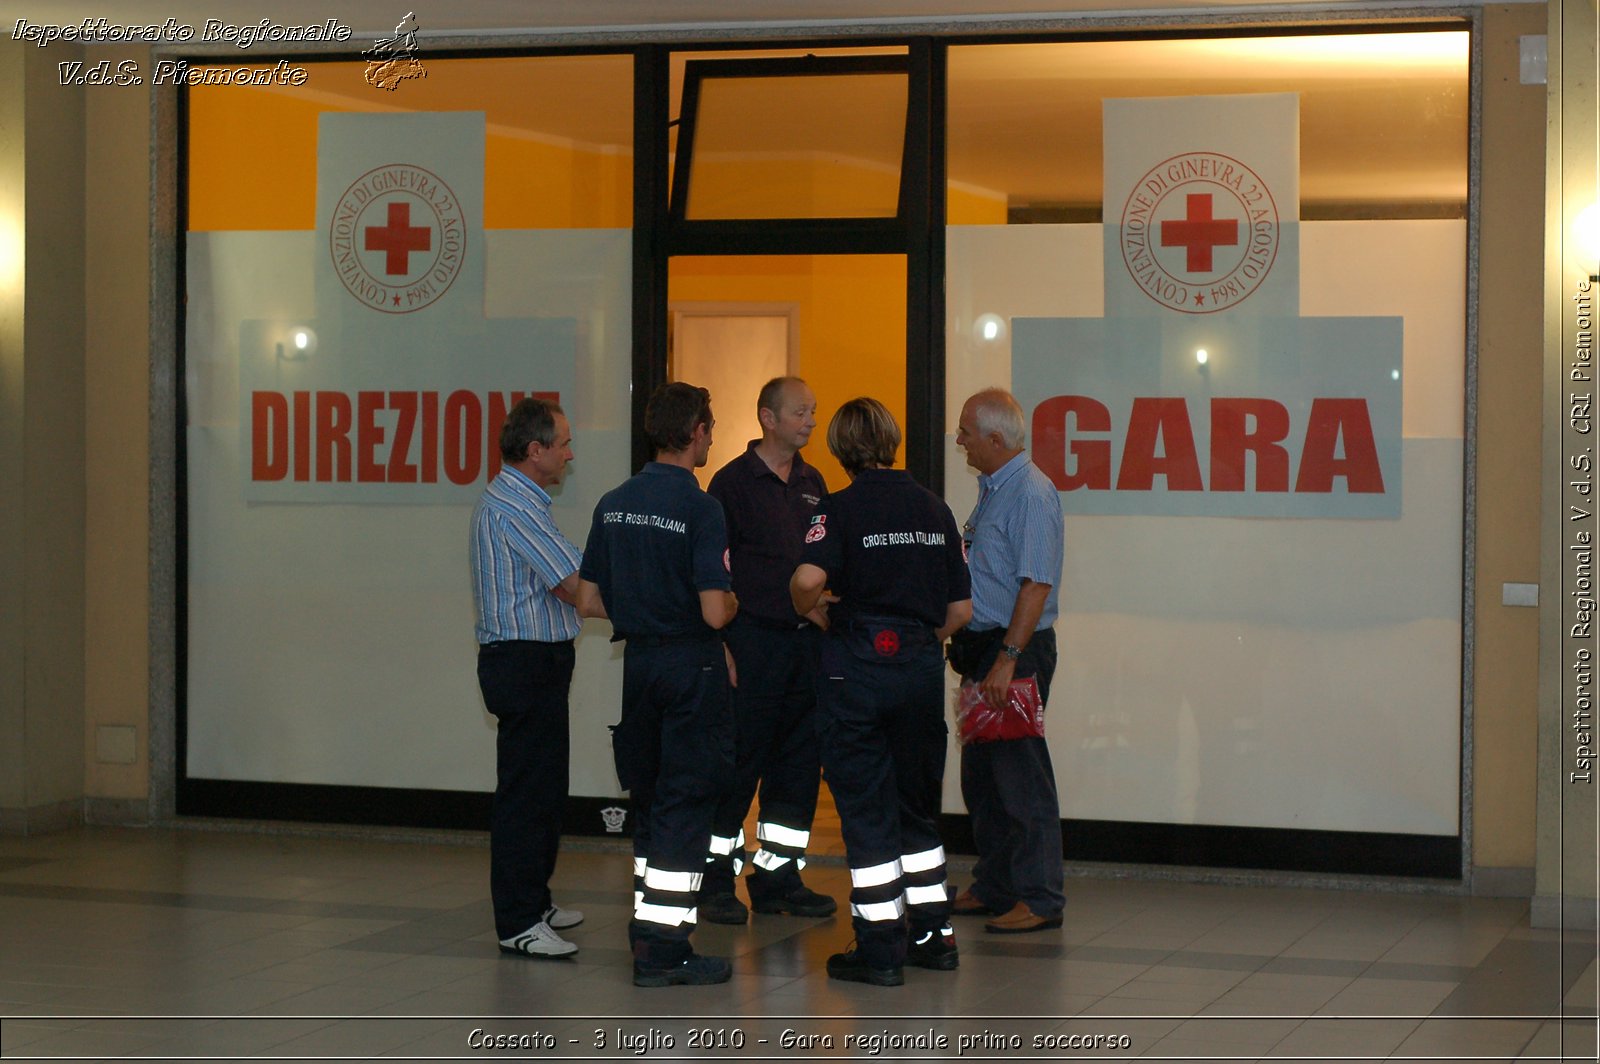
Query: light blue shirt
[
  {"x": 517, "y": 555},
  {"x": 1014, "y": 534}
]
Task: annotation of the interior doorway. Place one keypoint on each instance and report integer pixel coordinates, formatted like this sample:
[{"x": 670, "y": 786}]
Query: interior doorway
[
  {"x": 839, "y": 321},
  {"x": 732, "y": 349}
]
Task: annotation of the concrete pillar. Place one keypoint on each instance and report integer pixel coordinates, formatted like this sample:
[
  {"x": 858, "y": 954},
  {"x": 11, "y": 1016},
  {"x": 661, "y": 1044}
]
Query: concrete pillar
[{"x": 1569, "y": 775}]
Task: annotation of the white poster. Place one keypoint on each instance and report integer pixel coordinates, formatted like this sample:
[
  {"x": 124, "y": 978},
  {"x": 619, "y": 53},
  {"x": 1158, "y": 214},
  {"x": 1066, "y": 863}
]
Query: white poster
[
  {"x": 337, "y": 441},
  {"x": 395, "y": 390},
  {"x": 1201, "y": 391},
  {"x": 1253, "y": 672}
]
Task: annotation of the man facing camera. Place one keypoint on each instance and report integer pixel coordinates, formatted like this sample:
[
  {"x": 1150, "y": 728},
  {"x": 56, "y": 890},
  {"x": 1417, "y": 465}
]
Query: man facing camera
[{"x": 769, "y": 495}]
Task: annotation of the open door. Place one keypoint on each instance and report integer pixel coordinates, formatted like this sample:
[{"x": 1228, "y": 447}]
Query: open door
[{"x": 803, "y": 181}]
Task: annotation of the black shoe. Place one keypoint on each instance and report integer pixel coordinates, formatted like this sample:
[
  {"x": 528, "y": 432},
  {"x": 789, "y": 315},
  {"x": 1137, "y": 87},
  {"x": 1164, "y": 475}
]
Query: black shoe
[
  {"x": 695, "y": 970},
  {"x": 853, "y": 968},
  {"x": 801, "y": 901},
  {"x": 936, "y": 950},
  {"x": 723, "y": 909}
]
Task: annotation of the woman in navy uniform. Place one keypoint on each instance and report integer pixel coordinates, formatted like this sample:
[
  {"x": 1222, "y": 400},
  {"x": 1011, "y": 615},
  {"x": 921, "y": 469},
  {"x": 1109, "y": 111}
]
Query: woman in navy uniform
[{"x": 891, "y": 551}]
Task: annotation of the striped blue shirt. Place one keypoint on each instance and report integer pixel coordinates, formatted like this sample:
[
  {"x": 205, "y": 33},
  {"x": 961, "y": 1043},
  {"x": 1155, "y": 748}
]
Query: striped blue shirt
[
  {"x": 518, "y": 554},
  {"x": 1014, "y": 534}
]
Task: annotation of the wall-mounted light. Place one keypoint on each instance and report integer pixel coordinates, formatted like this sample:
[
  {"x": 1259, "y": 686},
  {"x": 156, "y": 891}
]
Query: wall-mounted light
[
  {"x": 1202, "y": 356},
  {"x": 299, "y": 345},
  {"x": 989, "y": 328},
  {"x": 11, "y": 254},
  {"x": 1586, "y": 231}
]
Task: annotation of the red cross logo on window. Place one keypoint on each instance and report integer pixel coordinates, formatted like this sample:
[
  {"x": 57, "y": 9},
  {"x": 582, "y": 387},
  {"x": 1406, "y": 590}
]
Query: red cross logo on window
[
  {"x": 399, "y": 238},
  {"x": 1198, "y": 233},
  {"x": 886, "y": 642}
]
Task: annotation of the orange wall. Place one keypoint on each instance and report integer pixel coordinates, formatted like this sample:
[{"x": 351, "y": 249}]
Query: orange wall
[
  {"x": 253, "y": 150},
  {"x": 800, "y": 188},
  {"x": 965, "y": 206},
  {"x": 852, "y": 325}
]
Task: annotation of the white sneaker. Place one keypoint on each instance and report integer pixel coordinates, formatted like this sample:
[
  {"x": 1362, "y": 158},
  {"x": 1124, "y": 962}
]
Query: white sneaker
[
  {"x": 561, "y": 919},
  {"x": 538, "y": 941}
]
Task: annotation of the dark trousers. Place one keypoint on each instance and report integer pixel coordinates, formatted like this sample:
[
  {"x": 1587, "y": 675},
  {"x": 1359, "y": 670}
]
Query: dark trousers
[
  {"x": 674, "y": 752},
  {"x": 775, "y": 714},
  {"x": 1010, "y": 790},
  {"x": 883, "y": 745},
  {"x": 525, "y": 687}
]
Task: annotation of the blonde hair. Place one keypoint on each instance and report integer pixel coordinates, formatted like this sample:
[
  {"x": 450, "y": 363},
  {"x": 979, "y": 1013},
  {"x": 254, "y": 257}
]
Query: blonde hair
[{"x": 863, "y": 435}]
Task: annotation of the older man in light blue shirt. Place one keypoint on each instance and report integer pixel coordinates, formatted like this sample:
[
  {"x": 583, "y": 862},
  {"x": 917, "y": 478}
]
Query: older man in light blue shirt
[
  {"x": 524, "y": 574},
  {"x": 1014, "y": 551}
]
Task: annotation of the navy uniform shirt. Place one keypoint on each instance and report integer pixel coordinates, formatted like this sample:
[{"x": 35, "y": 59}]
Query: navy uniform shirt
[
  {"x": 890, "y": 547},
  {"x": 655, "y": 543},
  {"x": 767, "y": 522}
]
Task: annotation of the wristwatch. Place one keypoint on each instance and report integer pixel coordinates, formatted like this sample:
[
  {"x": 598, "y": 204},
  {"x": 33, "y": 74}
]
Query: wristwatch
[{"x": 1011, "y": 651}]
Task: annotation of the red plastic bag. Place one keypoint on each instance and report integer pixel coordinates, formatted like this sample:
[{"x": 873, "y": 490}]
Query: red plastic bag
[{"x": 979, "y": 722}]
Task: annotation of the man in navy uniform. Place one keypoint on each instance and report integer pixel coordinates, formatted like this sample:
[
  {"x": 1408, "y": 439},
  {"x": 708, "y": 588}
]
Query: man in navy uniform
[
  {"x": 768, "y": 495},
  {"x": 1014, "y": 545},
  {"x": 889, "y": 549},
  {"x": 524, "y": 572},
  {"x": 656, "y": 564}
]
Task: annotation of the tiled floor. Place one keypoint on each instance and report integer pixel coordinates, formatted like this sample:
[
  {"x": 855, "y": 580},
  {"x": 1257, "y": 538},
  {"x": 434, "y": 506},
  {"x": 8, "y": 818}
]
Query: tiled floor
[{"x": 169, "y": 943}]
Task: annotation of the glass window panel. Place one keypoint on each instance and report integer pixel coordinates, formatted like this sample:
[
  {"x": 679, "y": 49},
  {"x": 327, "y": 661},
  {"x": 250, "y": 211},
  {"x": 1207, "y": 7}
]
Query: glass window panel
[
  {"x": 1383, "y": 118},
  {"x": 317, "y": 622},
  {"x": 559, "y": 149},
  {"x": 679, "y": 62},
  {"x": 1233, "y": 670},
  {"x": 825, "y": 146}
]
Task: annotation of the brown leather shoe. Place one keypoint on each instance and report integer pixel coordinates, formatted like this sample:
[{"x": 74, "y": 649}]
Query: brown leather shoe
[
  {"x": 1020, "y": 920},
  {"x": 967, "y": 904}
]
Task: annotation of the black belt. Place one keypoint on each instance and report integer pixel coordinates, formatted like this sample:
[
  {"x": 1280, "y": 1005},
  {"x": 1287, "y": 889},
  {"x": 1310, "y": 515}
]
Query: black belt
[
  {"x": 975, "y": 636},
  {"x": 776, "y": 626},
  {"x": 664, "y": 640},
  {"x": 884, "y": 639},
  {"x": 865, "y": 623}
]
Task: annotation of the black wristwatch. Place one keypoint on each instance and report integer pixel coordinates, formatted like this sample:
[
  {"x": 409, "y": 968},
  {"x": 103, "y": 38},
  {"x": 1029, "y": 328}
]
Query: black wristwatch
[{"x": 1011, "y": 651}]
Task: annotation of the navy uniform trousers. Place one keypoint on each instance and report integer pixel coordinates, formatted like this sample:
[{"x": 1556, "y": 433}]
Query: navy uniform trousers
[
  {"x": 775, "y": 710},
  {"x": 1009, "y": 787},
  {"x": 674, "y": 752},
  {"x": 883, "y": 744},
  {"x": 525, "y": 686}
]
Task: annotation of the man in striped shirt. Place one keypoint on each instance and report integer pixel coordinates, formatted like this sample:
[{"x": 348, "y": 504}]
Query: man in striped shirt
[
  {"x": 1014, "y": 550},
  {"x": 524, "y": 573}
]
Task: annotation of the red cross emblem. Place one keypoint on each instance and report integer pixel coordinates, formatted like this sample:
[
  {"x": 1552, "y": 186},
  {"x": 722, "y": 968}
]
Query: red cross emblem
[
  {"x": 397, "y": 237},
  {"x": 400, "y": 238},
  {"x": 1198, "y": 233},
  {"x": 886, "y": 642}
]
